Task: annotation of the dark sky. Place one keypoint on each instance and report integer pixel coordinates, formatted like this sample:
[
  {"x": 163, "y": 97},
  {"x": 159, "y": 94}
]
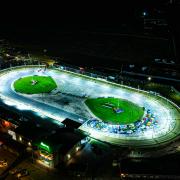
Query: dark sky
[
  {"x": 48, "y": 16},
  {"x": 53, "y": 15},
  {"x": 47, "y": 13}
]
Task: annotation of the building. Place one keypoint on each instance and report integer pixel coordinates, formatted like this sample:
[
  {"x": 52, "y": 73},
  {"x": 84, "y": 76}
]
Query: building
[
  {"x": 48, "y": 147},
  {"x": 58, "y": 147}
]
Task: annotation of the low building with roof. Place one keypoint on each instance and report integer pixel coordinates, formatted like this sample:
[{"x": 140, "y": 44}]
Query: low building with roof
[
  {"x": 58, "y": 147},
  {"x": 28, "y": 132},
  {"x": 49, "y": 145}
]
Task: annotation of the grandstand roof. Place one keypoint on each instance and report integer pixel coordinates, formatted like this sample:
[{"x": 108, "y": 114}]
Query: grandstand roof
[{"x": 71, "y": 124}]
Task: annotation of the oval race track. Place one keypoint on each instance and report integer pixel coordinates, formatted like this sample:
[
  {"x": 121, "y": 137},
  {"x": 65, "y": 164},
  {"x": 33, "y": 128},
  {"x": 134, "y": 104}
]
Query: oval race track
[{"x": 167, "y": 113}]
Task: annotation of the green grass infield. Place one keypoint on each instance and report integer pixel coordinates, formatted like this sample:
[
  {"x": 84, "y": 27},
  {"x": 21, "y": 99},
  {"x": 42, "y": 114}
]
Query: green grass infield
[
  {"x": 34, "y": 84},
  {"x": 114, "y": 110}
]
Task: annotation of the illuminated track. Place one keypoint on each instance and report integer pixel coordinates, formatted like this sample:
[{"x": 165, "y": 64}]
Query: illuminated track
[{"x": 166, "y": 112}]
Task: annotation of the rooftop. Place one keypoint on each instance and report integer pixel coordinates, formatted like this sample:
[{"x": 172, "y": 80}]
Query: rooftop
[
  {"x": 71, "y": 124},
  {"x": 63, "y": 139},
  {"x": 31, "y": 131}
]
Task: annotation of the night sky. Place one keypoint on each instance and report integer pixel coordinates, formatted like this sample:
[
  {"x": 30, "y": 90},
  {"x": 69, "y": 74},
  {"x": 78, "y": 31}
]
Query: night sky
[
  {"x": 48, "y": 18},
  {"x": 85, "y": 14}
]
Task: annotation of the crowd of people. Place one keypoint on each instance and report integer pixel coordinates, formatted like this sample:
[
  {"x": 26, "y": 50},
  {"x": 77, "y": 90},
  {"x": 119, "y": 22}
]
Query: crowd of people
[{"x": 149, "y": 120}]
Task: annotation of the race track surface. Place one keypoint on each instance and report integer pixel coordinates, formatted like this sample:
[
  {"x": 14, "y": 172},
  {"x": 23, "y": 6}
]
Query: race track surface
[{"x": 167, "y": 114}]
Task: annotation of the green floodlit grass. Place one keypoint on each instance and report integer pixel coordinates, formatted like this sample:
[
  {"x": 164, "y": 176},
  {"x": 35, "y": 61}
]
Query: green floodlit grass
[
  {"x": 45, "y": 84},
  {"x": 131, "y": 112}
]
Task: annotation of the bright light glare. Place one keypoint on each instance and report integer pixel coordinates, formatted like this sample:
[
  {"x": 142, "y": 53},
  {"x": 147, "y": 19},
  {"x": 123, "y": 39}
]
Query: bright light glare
[
  {"x": 136, "y": 98},
  {"x": 64, "y": 76},
  {"x": 9, "y": 103},
  {"x": 90, "y": 83},
  {"x": 22, "y": 107}
]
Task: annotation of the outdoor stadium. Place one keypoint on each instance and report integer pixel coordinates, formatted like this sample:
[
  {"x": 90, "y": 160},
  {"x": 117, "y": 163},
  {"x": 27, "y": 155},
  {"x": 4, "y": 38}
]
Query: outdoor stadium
[{"x": 107, "y": 111}]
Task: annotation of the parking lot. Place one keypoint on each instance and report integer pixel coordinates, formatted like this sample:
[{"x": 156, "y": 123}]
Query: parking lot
[
  {"x": 27, "y": 170},
  {"x": 6, "y": 159}
]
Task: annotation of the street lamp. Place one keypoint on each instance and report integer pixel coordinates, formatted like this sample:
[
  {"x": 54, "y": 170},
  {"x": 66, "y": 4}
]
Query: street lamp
[
  {"x": 144, "y": 13},
  {"x": 149, "y": 78}
]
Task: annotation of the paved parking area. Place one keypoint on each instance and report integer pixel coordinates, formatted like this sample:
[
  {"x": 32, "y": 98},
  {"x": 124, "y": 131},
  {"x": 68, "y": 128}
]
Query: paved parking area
[
  {"x": 36, "y": 171},
  {"x": 8, "y": 156}
]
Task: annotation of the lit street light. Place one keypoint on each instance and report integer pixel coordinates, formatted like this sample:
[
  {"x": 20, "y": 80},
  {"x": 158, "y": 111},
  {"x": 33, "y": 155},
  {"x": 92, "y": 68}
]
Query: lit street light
[{"x": 144, "y": 13}]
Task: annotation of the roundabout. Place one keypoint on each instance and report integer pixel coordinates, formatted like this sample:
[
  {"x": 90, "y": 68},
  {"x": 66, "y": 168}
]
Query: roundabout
[{"x": 130, "y": 117}]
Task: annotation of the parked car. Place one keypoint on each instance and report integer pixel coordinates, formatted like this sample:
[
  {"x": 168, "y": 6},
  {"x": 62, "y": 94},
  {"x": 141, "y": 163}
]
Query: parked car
[
  {"x": 3, "y": 163},
  {"x": 15, "y": 171},
  {"x": 22, "y": 173}
]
